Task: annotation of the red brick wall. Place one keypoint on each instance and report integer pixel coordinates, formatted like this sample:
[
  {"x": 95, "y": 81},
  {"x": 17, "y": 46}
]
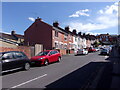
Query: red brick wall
[
  {"x": 25, "y": 49},
  {"x": 63, "y": 51},
  {"x": 39, "y": 33},
  {"x": 71, "y": 52}
]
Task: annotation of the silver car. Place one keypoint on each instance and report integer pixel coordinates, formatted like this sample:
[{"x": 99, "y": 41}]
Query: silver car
[{"x": 82, "y": 51}]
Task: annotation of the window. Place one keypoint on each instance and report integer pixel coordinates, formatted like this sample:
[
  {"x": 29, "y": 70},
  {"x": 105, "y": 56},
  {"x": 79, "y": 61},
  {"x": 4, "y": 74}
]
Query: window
[
  {"x": 52, "y": 52},
  {"x": 56, "y": 45},
  {"x": 60, "y": 46},
  {"x": 65, "y": 37},
  {"x": 7, "y": 56},
  {"x": 19, "y": 55},
  {"x": 56, "y": 33},
  {"x": 42, "y": 53},
  {"x": 65, "y": 46},
  {"x": 106, "y": 39},
  {"x": 75, "y": 39},
  {"x": 55, "y": 52},
  {"x": 70, "y": 38},
  {"x": 78, "y": 39}
]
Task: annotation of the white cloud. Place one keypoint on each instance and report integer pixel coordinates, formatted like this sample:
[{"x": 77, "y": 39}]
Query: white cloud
[
  {"x": 80, "y": 13},
  {"x": 105, "y": 19},
  {"x": 91, "y": 33},
  {"x": 110, "y": 10},
  {"x": 86, "y": 27},
  {"x": 31, "y": 19}
]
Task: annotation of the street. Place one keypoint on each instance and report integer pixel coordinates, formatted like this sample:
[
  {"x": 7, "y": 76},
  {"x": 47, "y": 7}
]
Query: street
[{"x": 71, "y": 72}]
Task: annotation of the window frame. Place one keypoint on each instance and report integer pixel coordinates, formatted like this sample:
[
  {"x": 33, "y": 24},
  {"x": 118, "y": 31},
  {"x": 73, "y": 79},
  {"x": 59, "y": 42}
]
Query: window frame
[
  {"x": 22, "y": 55},
  {"x": 56, "y": 33},
  {"x": 8, "y": 58}
]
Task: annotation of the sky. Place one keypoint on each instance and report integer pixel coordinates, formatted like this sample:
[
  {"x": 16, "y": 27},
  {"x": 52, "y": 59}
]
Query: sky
[{"x": 87, "y": 17}]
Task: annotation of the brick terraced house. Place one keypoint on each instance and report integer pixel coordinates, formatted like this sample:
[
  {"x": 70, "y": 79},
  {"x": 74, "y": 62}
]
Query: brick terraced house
[
  {"x": 51, "y": 37},
  {"x": 55, "y": 37},
  {"x": 107, "y": 39}
]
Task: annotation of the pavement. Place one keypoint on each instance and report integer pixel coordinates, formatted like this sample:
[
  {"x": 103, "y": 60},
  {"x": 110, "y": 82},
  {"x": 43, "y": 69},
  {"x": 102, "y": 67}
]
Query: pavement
[
  {"x": 109, "y": 78},
  {"x": 115, "y": 59}
]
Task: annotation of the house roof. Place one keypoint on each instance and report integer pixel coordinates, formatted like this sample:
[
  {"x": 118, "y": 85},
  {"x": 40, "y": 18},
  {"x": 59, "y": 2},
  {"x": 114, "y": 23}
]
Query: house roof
[
  {"x": 9, "y": 36},
  {"x": 62, "y": 30},
  {"x": 19, "y": 36},
  {"x": 13, "y": 39},
  {"x": 55, "y": 28}
]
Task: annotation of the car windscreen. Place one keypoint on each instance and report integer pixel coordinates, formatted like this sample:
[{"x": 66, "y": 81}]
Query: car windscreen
[
  {"x": 42, "y": 53},
  {"x": 81, "y": 50},
  {"x": 104, "y": 49}
]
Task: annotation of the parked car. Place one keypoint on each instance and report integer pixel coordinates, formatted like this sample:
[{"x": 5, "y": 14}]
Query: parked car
[
  {"x": 91, "y": 49},
  {"x": 46, "y": 57},
  {"x": 82, "y": 51},
  {"x": 97, "y": 49},
  {"x": 14, "y": 60},
  {"x": 105, "y": 51}
]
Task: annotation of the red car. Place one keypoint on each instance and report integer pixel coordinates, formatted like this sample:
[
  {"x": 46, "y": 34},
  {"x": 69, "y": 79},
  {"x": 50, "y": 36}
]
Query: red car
[
  {"x": 46, "y": 57},
  {"x": 91, "y": 49}
]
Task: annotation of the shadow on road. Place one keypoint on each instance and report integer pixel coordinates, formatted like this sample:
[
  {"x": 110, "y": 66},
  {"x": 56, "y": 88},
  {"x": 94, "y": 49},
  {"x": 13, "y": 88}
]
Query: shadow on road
[
  {"x": 82, "y": 77},
  {"x": 11, "y": 72},
  {"x": 80, "y": 55}
]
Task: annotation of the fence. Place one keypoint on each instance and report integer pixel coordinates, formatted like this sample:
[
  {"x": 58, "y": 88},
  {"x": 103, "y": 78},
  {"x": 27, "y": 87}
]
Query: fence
[{"x": 25, "y": 49}]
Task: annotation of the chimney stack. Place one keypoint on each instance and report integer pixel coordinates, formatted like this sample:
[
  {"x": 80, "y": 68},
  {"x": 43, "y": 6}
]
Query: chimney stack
[
  {"x": 38, "y": 19},
  {"x": 67, "y": 28},
  {"x": 83, "y": 34},
  {"x": 74, "y": 31},
  {"x": 80, "y": 33},
  {"x": 13, "y": 32},
  {"x": 55, "y": 24}
]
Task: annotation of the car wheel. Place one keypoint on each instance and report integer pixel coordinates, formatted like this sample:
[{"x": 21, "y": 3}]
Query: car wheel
[
  {"x": 59, "y": 59},
  {"x": 27, "y": 66},
  {"x": 46, "y": 62}
]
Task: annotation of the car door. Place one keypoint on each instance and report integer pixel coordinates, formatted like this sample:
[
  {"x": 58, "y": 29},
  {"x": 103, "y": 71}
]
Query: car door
[
  {"x": 20, "y": 59},
  {"x": 52, "y": 56},
  {"x": 56, "y": 55},
  {"x": 8, "y": 61}
]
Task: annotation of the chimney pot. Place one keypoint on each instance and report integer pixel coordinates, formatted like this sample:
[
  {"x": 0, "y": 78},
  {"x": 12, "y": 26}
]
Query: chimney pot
[{"x": 13, "y": 32}]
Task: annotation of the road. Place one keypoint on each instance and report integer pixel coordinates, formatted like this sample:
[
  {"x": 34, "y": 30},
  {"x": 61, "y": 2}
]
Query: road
[{"x": 71, "y": 72}]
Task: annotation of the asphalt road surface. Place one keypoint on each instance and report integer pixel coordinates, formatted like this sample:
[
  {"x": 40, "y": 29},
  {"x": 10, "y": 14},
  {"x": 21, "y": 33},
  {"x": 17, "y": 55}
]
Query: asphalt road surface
[{"x": 71, "y": 72}]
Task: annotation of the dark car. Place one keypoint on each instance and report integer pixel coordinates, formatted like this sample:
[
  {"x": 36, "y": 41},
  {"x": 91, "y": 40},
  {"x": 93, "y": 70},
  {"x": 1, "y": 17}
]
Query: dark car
[
  {"x": 105, "y": 51},
  {"x": 14, "y": 60},
  {"x": 46, "y": 57}
]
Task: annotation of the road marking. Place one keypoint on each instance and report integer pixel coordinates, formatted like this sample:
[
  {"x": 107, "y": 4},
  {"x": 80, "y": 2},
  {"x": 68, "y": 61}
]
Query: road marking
[{"x": 29, "y": 81}]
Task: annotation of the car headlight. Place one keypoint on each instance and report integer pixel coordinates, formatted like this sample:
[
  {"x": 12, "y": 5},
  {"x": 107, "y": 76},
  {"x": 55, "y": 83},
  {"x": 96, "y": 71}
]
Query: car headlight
[{"x": 41, "y": 58}]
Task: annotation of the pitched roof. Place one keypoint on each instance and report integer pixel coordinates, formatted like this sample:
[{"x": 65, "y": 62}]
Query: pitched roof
[
  {"x": 13, "y": 37},
  {"x": 8, "y": 36}
]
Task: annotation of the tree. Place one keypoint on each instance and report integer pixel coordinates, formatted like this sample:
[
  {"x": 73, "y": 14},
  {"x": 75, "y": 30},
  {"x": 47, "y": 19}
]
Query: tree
[{"x": 96, "y": 44}]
